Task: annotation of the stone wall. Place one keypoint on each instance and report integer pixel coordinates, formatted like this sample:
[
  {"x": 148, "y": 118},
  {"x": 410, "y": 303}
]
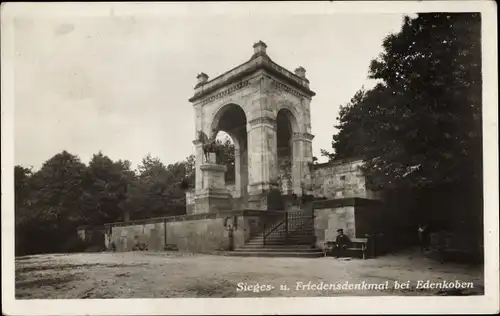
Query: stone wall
[
  {"x": 191, "y": 233},
  {"x": 341, "y": 179},
  {"x": 328, "y": 220},
  {"x": 190, "y": 195},
  {"x": 356, "y": 216}
]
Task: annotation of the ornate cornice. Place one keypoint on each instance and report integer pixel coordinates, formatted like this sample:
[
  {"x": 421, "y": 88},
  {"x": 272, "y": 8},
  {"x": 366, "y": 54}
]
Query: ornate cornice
[
  {"x": 248, "y": 68},
  {"x": 226, "y": 92},
  {"x": 280, "y": 87}
]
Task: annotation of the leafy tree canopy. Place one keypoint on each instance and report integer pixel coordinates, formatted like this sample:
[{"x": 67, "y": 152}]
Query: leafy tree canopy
[{"x": 421, "y": 125}]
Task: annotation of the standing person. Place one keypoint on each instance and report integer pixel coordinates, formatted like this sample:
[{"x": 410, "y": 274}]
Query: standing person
[
  {"x": 422, "y": 237},
  {"x": 341, "y": 243}
]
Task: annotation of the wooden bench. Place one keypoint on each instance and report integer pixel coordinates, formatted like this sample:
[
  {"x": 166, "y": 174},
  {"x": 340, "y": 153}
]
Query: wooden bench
[{"x": 357, "y": 244}]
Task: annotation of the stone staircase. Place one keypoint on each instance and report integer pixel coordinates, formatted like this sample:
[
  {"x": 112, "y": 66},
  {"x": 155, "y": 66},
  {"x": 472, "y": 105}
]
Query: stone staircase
[{"x": 290, "y": 237}]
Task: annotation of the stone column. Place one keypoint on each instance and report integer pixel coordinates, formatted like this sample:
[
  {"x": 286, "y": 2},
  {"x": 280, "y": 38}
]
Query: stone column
[
  {"x": 262, "y": 160},
  {"x": 213, "y": 196},
  {"x": 237, "y": 170},
  {"x": 302, "y": 157},
  {"x": 243, "y": 170},
  {"x": 200, "y": 158}
]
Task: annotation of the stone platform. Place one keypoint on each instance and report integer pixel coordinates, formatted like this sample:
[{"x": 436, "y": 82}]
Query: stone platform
[{"x": 204, "y": 233}]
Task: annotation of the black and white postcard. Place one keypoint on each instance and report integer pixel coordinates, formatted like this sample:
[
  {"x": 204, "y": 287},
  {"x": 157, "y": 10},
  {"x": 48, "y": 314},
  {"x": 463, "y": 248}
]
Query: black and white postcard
[{"x": 249, "y": 158}]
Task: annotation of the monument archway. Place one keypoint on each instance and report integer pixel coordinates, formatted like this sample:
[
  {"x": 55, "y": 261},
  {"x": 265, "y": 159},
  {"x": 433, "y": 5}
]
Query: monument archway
[
  {"x": 265, "y": 108},
  {"x": 231, "y": 119}
]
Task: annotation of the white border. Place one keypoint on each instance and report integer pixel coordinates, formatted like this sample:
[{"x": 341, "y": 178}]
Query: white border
[{"x": 489, "y": 303}]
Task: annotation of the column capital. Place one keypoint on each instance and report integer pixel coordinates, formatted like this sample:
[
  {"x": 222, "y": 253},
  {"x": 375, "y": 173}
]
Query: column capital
[
  {"x": 302, "y": 136},
  {"x": 263, "y": 121}
]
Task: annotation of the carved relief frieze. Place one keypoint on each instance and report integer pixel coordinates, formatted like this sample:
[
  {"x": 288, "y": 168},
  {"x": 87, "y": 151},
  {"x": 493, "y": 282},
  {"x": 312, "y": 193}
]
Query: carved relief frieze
[
  {"x": 280, "y": 88},
  {"x": 226, "y": 92}
]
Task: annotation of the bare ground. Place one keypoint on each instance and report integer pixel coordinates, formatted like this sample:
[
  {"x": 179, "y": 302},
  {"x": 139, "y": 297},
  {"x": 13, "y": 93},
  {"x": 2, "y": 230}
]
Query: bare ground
[{"x": 173, "y": 274}]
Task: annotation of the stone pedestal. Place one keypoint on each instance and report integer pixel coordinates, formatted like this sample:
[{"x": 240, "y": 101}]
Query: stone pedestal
[{"x": 213, "y": 196}]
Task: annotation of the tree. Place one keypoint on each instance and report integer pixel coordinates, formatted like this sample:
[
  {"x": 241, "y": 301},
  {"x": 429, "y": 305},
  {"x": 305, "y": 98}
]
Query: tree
[
  {"x": 190, "y": 164},
  {"x": 22, "y": 210},
  {"x": 421, "y": 125},
  {"x": 22, "y": 190},
  {"x": 351, "y": 139},
  {"x": 106, "y": 189},
  {"x": 157, "y": 190},
  {"x": 226, "y": 157},
  {"x": 419, "y": 129},
  {"x": 65, "y": 193},
  {"x": 433, "y": 69},
  {"x": 58, "y": 187},
  {"x": 188, "y": 181},
  {"x": 54, "y": 207}
]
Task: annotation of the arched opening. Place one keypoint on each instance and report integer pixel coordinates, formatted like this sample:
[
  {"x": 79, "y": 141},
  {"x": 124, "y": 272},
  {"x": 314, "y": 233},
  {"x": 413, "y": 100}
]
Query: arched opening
[
  {"x": 226, "y": 155},
  {"x": 285, "y": 149},
  {"x": 231, "y": 123}
]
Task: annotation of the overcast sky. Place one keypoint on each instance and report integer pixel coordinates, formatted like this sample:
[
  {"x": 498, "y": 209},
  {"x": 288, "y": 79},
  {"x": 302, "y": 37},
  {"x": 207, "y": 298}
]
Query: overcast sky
[{"x": 120, "y": 84}]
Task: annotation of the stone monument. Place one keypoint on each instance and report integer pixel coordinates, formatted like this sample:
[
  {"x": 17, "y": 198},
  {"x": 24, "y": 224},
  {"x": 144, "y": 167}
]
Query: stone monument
[{"x": 265, "y": 109}]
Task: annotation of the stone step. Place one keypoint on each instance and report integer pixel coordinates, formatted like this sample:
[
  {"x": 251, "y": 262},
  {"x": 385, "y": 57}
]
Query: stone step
[
  {"x": 282, "y": 236},
  {"x": 278, "y": 239},
  {"x": 294, "y": 237},
  {"x": 303, "y": 233},
  {"x": 315, "y": 254},
  {"x": 276, "y": 246},
  {"x": 280, "y": 243},
  {"x": 276, "y": 249},
  {"x": 298, "y": 229}
]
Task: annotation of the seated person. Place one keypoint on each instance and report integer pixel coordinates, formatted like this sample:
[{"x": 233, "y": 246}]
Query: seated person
[{"x": 341, "y": 243}]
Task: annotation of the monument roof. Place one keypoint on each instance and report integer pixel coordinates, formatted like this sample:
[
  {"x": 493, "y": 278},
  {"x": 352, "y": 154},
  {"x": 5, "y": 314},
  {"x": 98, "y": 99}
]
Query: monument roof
[{"x": 259, "y": 61}]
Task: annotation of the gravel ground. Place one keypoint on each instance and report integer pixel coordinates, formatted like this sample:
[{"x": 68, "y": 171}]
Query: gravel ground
[{"x": 174, "y": 274}]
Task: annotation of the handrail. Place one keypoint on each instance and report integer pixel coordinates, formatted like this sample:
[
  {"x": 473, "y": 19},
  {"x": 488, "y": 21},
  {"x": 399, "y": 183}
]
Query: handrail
[
  {"x": 303, "y": 219},
  {"x": 273, "y": 229},
  {"x": 290, "y": 218},
  {"x": 302, "y": 225},
  {"x": 257, "y": 233}
]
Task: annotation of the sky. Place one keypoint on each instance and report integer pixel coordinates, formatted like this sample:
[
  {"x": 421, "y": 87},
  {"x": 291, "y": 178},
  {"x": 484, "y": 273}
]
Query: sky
[{"x": 120, "y": 83}]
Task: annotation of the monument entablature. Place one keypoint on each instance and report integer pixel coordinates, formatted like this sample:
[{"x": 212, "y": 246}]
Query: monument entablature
[{"x": 260, "y": 63}]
